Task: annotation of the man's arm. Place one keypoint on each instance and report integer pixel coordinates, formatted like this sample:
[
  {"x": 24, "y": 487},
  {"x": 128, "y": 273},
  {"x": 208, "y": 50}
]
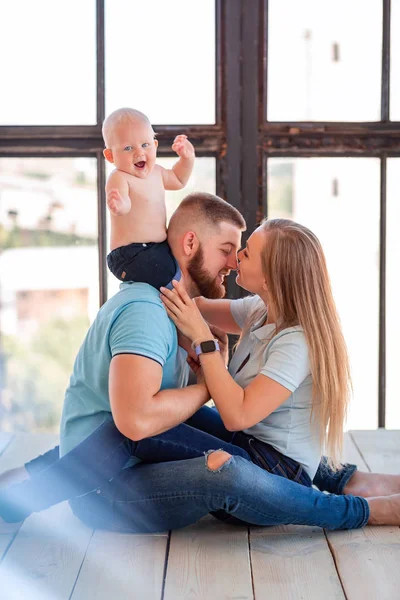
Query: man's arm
[{"x": 139, "y": 408}]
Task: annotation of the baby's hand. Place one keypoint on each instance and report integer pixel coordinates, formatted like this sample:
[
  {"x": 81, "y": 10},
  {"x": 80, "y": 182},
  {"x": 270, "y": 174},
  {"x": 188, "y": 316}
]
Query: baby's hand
[
  {"x": 117, "y": 204},
  {"x": 183, "y": 147}
]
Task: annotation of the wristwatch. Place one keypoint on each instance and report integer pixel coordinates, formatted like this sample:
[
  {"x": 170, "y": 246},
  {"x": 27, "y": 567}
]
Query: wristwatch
[{"x": 207, "y": 347}]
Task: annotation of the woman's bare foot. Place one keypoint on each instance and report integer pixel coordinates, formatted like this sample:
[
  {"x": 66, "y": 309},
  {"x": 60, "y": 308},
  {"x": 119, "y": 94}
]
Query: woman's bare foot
[
  {"x": 384, "y": 510},
  {"x": 13, "y": 476},
  {"x": 372, "y": 484}
]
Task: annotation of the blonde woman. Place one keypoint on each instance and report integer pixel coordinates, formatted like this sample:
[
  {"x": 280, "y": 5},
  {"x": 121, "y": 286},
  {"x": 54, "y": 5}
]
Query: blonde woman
[{"x": 288, "y": 383}]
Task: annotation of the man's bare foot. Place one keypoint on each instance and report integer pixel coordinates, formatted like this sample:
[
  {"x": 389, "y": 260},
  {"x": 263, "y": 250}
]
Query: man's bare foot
[
  {"x": 13, "y": 476},
  {"x": 372, "y": 484},
  {"x": 384, "y": 510}
]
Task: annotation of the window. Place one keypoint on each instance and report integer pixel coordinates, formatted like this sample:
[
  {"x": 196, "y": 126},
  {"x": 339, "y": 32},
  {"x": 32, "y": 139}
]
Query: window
[
  {"x": 309, "y": 78},
  {"x": 50, "y": 67},
  {"x": 326, "y": 82},
  {"x": 347, "y": 225},
  {"x": 49, "y": 281},
  {"x": 294, "y": 111},
  {"x": 53, "y": 220},
  {"x": 160, "y": 59}
]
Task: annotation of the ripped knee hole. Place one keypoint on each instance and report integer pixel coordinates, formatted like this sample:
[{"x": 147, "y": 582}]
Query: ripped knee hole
[{"x": 216, "y": 459}]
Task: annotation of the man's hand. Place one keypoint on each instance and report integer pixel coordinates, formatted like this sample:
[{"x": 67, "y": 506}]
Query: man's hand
[
  {"x": 183, "y": 147},
  {"x": 197, "y": 370}
]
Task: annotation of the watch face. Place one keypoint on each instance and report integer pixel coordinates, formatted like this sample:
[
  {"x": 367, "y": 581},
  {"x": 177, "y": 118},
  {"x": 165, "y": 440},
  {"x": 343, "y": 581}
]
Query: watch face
[{"x": 208, "y": 346}]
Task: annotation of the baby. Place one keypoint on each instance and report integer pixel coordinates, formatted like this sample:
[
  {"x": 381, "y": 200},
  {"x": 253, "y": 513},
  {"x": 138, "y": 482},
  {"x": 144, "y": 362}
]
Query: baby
[{"x": 135, "y": 193}]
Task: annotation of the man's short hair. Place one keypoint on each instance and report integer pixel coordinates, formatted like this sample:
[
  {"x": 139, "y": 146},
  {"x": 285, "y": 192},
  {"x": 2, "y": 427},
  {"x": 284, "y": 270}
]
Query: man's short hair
[{"x": 201, "y": 207}]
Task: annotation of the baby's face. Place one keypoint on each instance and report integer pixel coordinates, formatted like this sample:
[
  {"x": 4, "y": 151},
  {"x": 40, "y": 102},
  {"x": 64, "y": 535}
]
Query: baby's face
[{"x": 134, "y": 148}]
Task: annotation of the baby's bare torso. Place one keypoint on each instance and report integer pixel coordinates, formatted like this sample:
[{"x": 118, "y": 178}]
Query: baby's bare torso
[{"x": 146, "y": 220}]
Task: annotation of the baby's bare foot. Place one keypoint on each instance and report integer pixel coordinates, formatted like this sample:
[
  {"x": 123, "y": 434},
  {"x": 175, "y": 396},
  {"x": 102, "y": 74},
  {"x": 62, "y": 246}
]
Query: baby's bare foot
[
  {"x": 372, "y": 484},
  {"x": 384, "y": 510}
]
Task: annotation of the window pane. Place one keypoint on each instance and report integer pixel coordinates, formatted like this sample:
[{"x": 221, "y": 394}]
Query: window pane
[
  {"x": 203, "y": 179},
  {"x": 48, "y": 73},
  {"x": 324, "y": 60},
  {"x": 49, "y": 282},
  {"x": 338, "y": 199},
  {"x": 392, "y": 295},
  {"x": 160, "y": 59},
  {"x": 395, "y": 61}
]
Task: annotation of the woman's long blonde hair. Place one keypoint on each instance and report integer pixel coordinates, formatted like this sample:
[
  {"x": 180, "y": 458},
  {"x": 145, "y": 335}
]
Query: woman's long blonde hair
[{"x": 299, "y": 293}]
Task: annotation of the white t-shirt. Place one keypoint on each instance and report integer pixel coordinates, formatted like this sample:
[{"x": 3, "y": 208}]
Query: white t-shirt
[{"x": 284, "y": 358}]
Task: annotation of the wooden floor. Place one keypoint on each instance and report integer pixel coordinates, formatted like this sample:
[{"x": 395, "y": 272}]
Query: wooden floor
[{"x": 53, "y": 556}]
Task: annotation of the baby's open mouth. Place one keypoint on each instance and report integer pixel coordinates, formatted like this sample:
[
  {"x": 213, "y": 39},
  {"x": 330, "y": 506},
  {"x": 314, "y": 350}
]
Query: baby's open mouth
[{"x": 141, "y": 164}]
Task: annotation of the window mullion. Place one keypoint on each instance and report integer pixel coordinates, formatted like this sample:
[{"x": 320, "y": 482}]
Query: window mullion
[
  {"x": 102, "y": 227},
  {"x": 385, "y": 89},
  {"x": 382, "y": 297}
]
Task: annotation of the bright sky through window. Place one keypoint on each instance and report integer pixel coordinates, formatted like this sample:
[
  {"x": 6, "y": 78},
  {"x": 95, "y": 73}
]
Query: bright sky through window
[{"x": 160, "y": 58}]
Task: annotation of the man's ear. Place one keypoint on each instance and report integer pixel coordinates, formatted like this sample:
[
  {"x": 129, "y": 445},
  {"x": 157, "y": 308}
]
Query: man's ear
[
  {"x": 190, "y": 244},
  {"x": 108, "y": 155}
]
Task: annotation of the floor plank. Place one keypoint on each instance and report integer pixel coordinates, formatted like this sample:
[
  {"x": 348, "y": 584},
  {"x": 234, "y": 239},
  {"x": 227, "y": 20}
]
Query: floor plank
[
  {"x": 380, "y": 449},
  {"x": 293, "y": 562},
  {"x": 209, "y": 560},
  {"x": 122, "y": 566},
  {"x": 367, "y": 560},
  {"x": 44, "y": 559},
  {"x": 351, "y": 454}
]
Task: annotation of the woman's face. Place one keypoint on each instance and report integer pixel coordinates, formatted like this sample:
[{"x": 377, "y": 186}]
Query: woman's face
[{"x": 249, "y": 272}]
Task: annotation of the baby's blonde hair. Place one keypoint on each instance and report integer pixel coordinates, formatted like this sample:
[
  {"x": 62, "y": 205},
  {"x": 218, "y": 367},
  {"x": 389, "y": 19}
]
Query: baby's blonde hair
[{"x": 121, "y": 115}]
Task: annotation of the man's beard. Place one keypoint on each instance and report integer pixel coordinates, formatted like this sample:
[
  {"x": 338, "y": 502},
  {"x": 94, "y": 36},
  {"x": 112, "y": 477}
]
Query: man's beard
[{"x": 204, "y": 283}]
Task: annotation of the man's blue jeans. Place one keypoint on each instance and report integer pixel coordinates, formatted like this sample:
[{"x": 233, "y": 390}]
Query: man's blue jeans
[{"x": 156, "y": 497}]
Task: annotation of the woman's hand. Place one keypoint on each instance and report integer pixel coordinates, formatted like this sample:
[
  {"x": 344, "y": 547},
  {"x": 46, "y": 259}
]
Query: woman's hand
[{"x": 184, "y": 313}]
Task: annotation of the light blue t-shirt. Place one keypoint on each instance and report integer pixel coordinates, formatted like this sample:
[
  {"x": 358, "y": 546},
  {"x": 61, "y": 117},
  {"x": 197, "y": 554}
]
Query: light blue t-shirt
[
  {"x": 285, "y": 359},
  {"x": 134, "y": 321}
]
